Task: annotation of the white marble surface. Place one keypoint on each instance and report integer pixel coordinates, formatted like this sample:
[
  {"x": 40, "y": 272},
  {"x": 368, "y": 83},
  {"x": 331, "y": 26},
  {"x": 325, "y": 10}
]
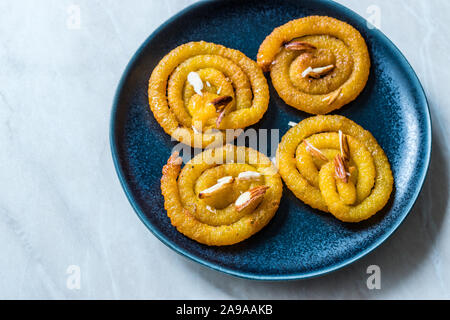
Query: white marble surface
[{"x": 60, "y": 200}]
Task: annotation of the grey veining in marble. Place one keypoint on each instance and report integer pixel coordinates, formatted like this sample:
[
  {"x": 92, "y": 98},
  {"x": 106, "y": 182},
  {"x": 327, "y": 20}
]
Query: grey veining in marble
[{"x": 61, "y": 203}]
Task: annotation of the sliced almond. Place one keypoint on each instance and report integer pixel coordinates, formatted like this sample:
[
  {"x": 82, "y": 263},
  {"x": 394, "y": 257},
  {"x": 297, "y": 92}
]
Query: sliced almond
[
  {"x": 220, "y": 117},
  {"x": 222, "y": 105},
  {"x": 196, "y": 82},
  {"x": 343, "y": 144},
  {"x": 306, "y": 72},
  {"x": 249, "y": 175},
  {"x": 221, "y": 102},
  {"x": 252, "y": 197},
  {"x": 300, "y": 46},
  {"x": 316, "y": 73},
  {"x": 340, "y": 169},
  {"x": 314, "y": 151},
  {"x": 227, "y": 179},
  {"x": 215, "y": 189},
  {"x": 333, "y": 97}
]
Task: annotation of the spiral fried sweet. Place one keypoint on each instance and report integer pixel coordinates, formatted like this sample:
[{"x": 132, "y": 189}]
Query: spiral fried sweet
[
  {"x": 317, "y": 64},
  {"x": 222, "y": 196},
  {"x": 200, "y": 89},
  {"x": 334, "y": 165}
]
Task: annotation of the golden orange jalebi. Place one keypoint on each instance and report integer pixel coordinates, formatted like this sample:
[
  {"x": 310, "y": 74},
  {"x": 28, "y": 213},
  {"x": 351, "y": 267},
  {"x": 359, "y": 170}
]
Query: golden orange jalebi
[
  {"x": 334, "y": 165},
  {"x": 200, "y": 89},
  {"x": 317, "y": 64},
  {"x": 222, "y": 196}
]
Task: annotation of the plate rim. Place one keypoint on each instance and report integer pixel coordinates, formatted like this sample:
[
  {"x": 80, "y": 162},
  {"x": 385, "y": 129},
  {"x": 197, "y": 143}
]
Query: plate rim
[{"x": 248, "y": 275}]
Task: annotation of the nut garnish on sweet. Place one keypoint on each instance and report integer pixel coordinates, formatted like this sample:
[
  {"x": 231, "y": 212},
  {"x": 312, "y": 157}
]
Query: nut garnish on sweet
[
  {"x": 220, "y": 117},
  {"x": 252, "y": 197},
  {"x": 333, "y": 97},
  {"x": 219, "y": 186},
  {"x": 300, "y": 46},
  {"x": 196, "y": 82},
  {"x": 314, "y": 151},
  {"x": 221, "y": 102},
  {"x": 343, "y": 144},
  {"x": 317, "y": 73},
  {"x": 249, "y": 175},
  {"x": 340, "y": 169}
]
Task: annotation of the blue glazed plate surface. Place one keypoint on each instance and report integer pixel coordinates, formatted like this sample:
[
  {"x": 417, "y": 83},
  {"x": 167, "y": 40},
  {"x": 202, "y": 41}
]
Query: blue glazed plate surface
[{"x": 299, "y": 242}]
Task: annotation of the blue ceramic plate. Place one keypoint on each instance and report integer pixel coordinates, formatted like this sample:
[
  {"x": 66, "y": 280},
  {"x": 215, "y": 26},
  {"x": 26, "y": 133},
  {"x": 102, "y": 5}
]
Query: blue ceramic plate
[{"x": 299, "y": 242}]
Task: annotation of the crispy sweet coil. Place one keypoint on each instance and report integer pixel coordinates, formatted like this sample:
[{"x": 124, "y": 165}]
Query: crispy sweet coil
[
  {"x": 315, "y": 179},
  {"x": 316, "y": 42},
  {"x": 225, "y": 73},
  {"x": 215, "y": 220}
]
